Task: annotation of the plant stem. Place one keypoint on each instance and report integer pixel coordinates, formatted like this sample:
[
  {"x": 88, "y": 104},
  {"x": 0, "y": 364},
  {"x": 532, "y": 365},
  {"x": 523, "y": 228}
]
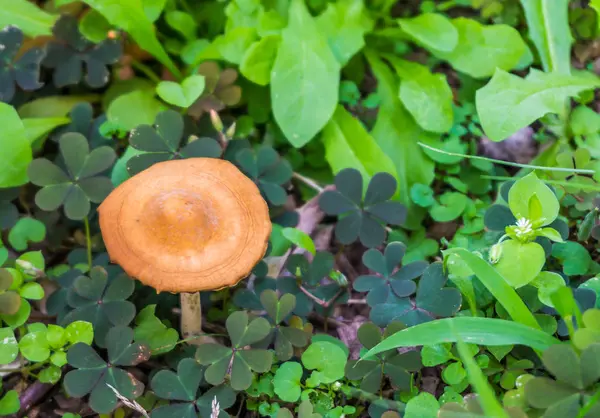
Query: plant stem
[
  {"x": 580, "y": 186},
  {"x": 191, "y": 319},
  {"x": 88, "y": 241},
  {"x": 309, "y": 182},
  {"x": 589, "y": 405},
  {"x": 533, "y": 167},
  {"x": 148, "y": 72}
]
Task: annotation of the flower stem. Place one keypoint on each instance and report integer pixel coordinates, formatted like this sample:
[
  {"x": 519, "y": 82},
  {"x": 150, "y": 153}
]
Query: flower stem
[
  {"x": 309, "y": 182},
  {"x": 148, "y": 72},
  {"x": 88, "y": 241},
  {"x": 533, "y": 167}
]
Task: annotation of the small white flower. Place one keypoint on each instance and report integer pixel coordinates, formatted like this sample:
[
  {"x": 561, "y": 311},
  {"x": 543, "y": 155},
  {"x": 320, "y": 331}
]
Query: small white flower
[{"x": 524, "y": 227}]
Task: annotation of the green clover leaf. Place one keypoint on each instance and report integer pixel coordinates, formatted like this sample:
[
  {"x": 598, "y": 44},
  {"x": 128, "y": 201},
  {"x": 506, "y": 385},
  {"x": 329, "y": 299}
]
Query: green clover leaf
[
  {"x": 242, "y": 333},
  {"x": 183, "y": 386},
  {"x": 396, "y": 366},
  {"x": 101, "y": 301},
  {"x": 164, "y": 141},
  {"x": 362, "y": 218},
  {"x": 78, "y": 185},
  {"x": 390, "y": 278},
  {"x": 92, "y": 374}
]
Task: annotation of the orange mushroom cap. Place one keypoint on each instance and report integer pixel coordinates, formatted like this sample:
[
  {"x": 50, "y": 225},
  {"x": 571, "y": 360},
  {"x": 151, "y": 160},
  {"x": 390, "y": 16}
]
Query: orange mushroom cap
[{"x": 186, "y": 225}]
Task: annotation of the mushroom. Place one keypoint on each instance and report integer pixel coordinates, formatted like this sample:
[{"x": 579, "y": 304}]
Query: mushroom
[{"x": 183, "y": 226}]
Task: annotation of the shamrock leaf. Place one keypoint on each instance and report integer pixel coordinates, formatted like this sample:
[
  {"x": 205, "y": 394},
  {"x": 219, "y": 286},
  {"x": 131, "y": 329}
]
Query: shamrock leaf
[
  {"x": 576, "y": 374},
  {"x": 268, "y": 170},
  {"x": 163, "y": 142},
  {"x": 24, "y": 71},
  {"x": 220, "y": 90},
  {"x": 286, "y": 383},
  {"x": 451, "y": 206},
  {"x": 92, "y": 374},
  {"x": 243, "y": 361},
  {"x": 152, "y": 332},
  {"x": 433, "y": 300},
  {"x": 184, "y": 94},
  {"x": 360, "y": 218},
  {"x": 390, "y": 278},
  {"x": 71, "y": 50},
  {"x": 102, "y": 301},
  {"x": 80, "y": 184},
  {"x": 183, "y": 386},
  {"x": 26, "y": 230},
  {"x": 575, "y": 258},
  {"x": 396, "y": 366},
  {"x": 310, "y": 273},
  {"x": 307, "y": 281},
  {"x": 327, "y": 359},
  {"x": 83, "y": 122}
]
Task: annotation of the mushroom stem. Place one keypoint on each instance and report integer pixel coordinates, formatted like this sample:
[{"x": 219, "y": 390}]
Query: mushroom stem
[{"x": 191, "y": 318}]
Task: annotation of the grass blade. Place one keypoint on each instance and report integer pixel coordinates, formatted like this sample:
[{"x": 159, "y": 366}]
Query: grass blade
[{"x": 481, "y": 331}]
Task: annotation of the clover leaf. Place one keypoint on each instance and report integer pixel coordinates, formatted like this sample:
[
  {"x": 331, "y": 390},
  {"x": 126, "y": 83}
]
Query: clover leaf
[
  {"x": 9, "y": 349},
  {"x": 10, "y": 300},
  {"x": 576, "y": 376},
  {"x": 71, "y": 50},
  {"x": 390, "y": 278},
  {"x": 183, "y": 386},
  {"x": 362, "y": 218},
  {"x": 153, "y": 332},
  {"x": 307, "y": 279},
  {"x": 394, "y": 365},
  {"x": 26, "y": 230},
  {"x": 43, "y": 343},
  {"x": 589, "y": 333},
  {"x": 268, "y": 170},
  {"x": 92, "y": 374},
  {"x": 278, "y": 310},
  {"x": 9, "y": 403},
  {"x": 17, "y": 285},
  {"x": 102, "y": 301},
  {"x": 432, "y": 300},
  {"x": 575, "y": 258},
  {"x": 24, "y": 71},
  {"x": 451, "y": 206},
  {"x": 243, "y": 361},
  {"x": 83, "y": 122},
  {"x": 80, "y": 184},
  {"x": 163, "y": 142},
  {"x": 327, "y": 360},
  {"x": 286, "y": 383}
]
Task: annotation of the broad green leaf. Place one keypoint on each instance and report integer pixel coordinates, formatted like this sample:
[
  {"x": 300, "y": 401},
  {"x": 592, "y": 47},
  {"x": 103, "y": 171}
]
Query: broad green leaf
[
  {"x": 481, "y": 49},
  {"x": 595, "y": 4},
  {"x": 528, "y": 189},
  {"x": 473, "y": 330},
  {"x": 28, "y": 17},
  {"x": 258, "y": 60},
  {"x": 345, "y": 24},
  {"x": 53, "y": 106},
  {"x": 133, "y": 109},
  {"x": 305, "y": 78},
  {"x": 234, "y": 44},
  {"x": 431, "y": 30},
  {"x": 348, "y": 145},
  {"x": 547, "y": 282},
  {"x": 300, "y": 239},
  {"x": 16, "y": 150},
  {"x": 184, "y": 94},
  {"x": 151, "y": 331},
  {"x": 35, "y": 128},
  {"x": 497, "y": 286},
  {"x": 183, "y": 23},
  {"x": 508, "y": 103},
  {"x": 94, "y": 26},
  {"x": 426, "y": 96},
  {"x": 424, "y": 405},
  {"x": 548, "y": 24},
  {"x": 129, "y": 15},
  {"x": 397, "y": 134},
  {"x": 9, "y": 403},
  {"x": 519, "y": 262}
]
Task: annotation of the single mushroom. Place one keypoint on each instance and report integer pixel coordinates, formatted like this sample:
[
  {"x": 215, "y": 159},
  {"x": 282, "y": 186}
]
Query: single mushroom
[{"x": 184, "y": 226}]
